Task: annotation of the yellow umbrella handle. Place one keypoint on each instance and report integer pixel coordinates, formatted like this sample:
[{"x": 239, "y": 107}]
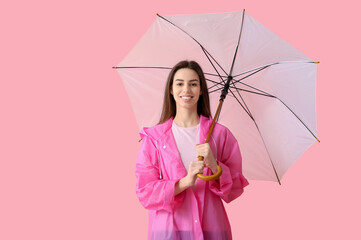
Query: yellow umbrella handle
[{"x": 211, "y": 177}]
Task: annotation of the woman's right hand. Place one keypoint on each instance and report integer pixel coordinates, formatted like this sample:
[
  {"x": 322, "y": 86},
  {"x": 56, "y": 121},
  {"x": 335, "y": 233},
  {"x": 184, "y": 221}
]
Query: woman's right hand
[{"x": 194, "y": 168}]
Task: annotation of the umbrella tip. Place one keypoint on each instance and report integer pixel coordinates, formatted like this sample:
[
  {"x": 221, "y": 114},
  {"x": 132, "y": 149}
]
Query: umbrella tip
[
  {"x": 158, "y": 15},
  {"x": 244, "y": 10},
  {"x": 318, "y": 140},
  {"x": 317, "y": 62},
  {"x": 114, "y": 67}
]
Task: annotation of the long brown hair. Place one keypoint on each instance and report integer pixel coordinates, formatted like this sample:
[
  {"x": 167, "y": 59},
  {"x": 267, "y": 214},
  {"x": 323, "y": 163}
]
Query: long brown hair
[{"x": 169, "y": 105}]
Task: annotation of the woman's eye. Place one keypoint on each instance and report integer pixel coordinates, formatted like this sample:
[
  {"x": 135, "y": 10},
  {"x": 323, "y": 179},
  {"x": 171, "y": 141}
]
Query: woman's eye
[
  {"x": 194, "y": 84},
  {"x": 179, "y": 84}
]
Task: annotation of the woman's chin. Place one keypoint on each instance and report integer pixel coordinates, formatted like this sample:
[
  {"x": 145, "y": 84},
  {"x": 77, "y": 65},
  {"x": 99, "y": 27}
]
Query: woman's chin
[{"x": 187, "y": 106}]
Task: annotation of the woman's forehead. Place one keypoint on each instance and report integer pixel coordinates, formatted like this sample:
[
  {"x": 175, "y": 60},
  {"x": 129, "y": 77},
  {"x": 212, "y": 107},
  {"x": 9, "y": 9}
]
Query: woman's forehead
[{"x": 186, "y": 74}]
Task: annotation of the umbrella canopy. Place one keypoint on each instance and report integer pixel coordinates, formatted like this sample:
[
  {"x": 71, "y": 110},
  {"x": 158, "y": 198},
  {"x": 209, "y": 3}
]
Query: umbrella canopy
[{"x": 270, "y": 107}]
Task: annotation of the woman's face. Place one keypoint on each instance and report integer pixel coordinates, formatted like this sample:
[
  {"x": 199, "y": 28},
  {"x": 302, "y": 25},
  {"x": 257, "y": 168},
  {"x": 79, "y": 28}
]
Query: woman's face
[{"x": 186, "y": 89}]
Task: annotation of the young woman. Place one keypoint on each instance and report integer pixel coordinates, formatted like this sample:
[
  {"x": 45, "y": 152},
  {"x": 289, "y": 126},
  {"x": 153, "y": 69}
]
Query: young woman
[{"x": 180, "y": 205}]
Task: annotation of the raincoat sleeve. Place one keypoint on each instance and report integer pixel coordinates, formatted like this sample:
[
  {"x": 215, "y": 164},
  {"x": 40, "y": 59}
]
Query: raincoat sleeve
[
  {"x": 231, "y": 183},
  {"x": 153, "y": 192}
]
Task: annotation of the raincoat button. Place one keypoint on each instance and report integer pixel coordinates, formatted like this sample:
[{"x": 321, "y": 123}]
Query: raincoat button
[
  {"x": 195, "y": 221},
  {"x": 164, "y": 146}
]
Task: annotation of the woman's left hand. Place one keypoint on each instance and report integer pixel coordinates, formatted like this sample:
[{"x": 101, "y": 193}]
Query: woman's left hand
[{"x": 209, "y": 160}]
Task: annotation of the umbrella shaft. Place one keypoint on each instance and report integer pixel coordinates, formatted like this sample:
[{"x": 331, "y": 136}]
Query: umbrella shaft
[
  {"x": 226, "y": 87},
  {"x": 214, "y": 120}
]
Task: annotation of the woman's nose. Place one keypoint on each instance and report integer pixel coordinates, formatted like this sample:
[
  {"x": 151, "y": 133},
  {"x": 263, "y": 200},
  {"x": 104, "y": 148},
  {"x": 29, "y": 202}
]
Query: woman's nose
[{"x": 186, "y": 88}]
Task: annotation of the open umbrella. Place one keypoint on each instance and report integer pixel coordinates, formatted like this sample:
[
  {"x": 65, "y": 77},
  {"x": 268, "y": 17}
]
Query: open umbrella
[{"x": 270, "y": 106}]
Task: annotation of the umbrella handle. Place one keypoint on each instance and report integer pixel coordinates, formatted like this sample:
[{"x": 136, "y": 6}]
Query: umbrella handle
[
  {"x": 200, "y": 158},
  {"x": 211, "y": 177}
]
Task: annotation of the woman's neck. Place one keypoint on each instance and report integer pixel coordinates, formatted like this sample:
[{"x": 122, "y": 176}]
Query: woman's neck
[{"x": 186, "y": 119}]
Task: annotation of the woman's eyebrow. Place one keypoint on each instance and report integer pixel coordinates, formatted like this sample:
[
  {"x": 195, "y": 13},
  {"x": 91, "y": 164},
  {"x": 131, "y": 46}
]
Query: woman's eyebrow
[{"x": 193, "y": 80}]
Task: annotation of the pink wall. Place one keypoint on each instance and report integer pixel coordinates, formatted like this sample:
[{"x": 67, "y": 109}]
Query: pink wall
[{"x": 68, "y": 138}]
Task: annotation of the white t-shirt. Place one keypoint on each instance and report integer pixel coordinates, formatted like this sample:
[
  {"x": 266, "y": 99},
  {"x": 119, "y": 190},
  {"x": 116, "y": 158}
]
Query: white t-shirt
[{"x": 186, "y": 140}]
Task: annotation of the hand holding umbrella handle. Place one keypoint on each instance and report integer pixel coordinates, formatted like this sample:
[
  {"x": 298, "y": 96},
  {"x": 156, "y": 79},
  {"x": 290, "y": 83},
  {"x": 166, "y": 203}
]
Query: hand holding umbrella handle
[
  {"x": 200, "y": 158},
  {"x": 210, "y": 177}
]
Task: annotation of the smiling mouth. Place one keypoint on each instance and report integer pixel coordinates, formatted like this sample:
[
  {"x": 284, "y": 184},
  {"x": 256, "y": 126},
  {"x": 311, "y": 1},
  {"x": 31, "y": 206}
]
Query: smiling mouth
[{"x": 186, "y": 97}]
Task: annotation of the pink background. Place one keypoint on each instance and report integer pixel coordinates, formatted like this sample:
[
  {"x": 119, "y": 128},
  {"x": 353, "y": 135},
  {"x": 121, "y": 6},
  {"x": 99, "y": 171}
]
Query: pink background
[{"x": 69, "y": 138}]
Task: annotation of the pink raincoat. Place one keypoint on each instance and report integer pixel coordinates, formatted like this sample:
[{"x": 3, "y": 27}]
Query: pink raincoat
[{"x": 196, "y": 213}]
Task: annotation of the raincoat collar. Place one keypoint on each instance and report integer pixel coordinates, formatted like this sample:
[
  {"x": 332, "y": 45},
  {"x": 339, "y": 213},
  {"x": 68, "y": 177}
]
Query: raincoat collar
[{"x": 158, "y": 131}]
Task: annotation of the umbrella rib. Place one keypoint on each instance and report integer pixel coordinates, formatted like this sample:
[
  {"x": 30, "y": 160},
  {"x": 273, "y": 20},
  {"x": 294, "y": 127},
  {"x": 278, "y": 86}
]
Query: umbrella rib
[
  {"x": 249, "y": 112},
  {"x": 214, "y": 67},
  {"x": 235, "y": 81},
  {"x": 254, "y": 120},
  {"x": 168, "y": 68},
  {"x": 250, "y": 115},
  {"x": 215, "y": 83},
  {"x": 255, "y": 69},
  {"x": 239, "y": 80},
  {"x": 239, "y": 40},
  {"x": 209, "y": 89},
  {"x": 219, "y": 75},
  {"x": 146, "y": 67},
  {"x": 270, "y": 95},
  {"x": 274, "y": 169},
  {"x": 244, "y": 90},
  {"x": 204, "y": 50},
  {"x": 266, "y": 95},
  {"x": 271, "y": 64},
  {"x": 234, "y": 87},
  {"x": 215, "y": 90},
  {"x": 298, "y": 118}
]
